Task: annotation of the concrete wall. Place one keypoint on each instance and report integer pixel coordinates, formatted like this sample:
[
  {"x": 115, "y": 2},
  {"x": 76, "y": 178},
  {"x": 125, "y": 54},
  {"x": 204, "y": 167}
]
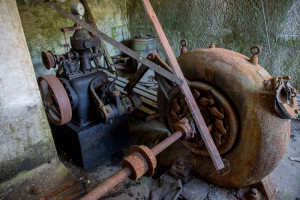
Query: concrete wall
[
  {"x": 235, "y": 25},
  {"x": 25, "y": 137},
  {"x": 42, "y": 26}
]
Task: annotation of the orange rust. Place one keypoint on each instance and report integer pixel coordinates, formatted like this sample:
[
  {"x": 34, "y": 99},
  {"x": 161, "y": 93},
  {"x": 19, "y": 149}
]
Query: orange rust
[
  {"x": 262, "y": 136},
  {"x": 60, "y": 190}
]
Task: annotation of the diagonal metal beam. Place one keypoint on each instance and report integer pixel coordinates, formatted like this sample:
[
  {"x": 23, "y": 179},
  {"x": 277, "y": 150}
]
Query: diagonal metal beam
[
  {"x": 185, "y": 89},
  {"x": 116, "y": 44}
]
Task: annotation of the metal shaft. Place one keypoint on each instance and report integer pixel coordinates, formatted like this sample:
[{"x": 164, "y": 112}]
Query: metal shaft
[
  {"x": 113, "y": 181},
  {"x": 165, "y": 143},
  {"x": 109, "y": 184}
]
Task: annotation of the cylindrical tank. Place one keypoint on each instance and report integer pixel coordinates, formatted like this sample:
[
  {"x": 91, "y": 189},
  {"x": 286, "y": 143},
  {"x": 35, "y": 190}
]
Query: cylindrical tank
[
  {"x": 262, "y": 136},
  {"x": 144, "y": 45}
]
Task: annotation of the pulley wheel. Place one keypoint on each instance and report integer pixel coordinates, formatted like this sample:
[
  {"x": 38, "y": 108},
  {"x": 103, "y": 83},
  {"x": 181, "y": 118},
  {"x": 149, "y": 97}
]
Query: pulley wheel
[
  {"x": 49, "y": 60},
  {"x": 55, "y": 100}
]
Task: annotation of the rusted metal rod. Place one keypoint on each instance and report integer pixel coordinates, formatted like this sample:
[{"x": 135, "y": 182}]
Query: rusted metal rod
[
  {"x": 113, "y": 181},
  {"x": 165, "y": 143},
  {"x": 185, "y": 89},
  {"x": 109, "y": 184}
]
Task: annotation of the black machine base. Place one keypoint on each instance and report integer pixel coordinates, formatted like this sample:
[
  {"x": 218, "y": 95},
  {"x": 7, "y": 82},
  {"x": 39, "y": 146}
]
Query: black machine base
[{"x": 90, "y": 145}]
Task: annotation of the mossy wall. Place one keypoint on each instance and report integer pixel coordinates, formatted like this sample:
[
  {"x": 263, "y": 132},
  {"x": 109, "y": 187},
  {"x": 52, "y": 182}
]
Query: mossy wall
[
  {"x": 42, "y": 26},
  {"x": 235, "y": 25},
  {"x": 25, "y": 138}
]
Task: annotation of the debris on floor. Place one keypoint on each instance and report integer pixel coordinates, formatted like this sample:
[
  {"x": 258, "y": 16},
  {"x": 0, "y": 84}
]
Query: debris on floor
[{"x": 286, "y": 181}]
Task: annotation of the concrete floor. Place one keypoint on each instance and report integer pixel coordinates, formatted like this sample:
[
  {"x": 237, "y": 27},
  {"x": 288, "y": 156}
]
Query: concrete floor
[{"x": 286, "y": 177}]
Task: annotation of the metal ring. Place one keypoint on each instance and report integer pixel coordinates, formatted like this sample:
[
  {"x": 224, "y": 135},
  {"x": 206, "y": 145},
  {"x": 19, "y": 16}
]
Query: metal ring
[
  {"x": 255, "y": 50},
  {"x": 183, "y": 42}
]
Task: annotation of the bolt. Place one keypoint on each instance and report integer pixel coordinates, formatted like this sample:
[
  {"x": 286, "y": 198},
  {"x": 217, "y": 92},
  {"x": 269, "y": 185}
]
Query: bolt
[
  {"x": 174, "y": 116},
  {"x": 130, "y": 108},
  {"x": 215, "y": 112},
  {"x": 36, "y": 190},
  {"x": 253, "y": 194},
  {"x": 219, "y": 124},
  {"x": 196, "y": 94},
  {"x": 180, "y": 165},
  {"x": 175, "y": 106},
  {"x": 207, "y": 121},
  {"x": 210, "y": 127},
  {"x": 218, "y": 138},
  {"x": 200, "y": 143},
  {"x": 205, "y": 102}
]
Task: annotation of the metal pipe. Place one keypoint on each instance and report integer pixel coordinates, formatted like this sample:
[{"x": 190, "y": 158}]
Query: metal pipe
[
  {"x": 165, "y": 143},
  {"x": 109, "y": 184},
  {"x": 113, "y": 181}
]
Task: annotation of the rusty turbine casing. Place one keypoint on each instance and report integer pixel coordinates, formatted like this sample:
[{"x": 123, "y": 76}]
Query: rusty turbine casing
[{"x": 262, "y": 137}]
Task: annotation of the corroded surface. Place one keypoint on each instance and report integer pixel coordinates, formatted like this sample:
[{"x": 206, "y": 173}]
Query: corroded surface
[
  {"x": 218, "y": 114},
  {"x": 263, "y": 136},
  {"x": 42, "y": 26}
]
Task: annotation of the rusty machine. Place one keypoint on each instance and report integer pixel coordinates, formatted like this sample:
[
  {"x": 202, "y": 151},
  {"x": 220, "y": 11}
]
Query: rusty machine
[
  {"x": 93, "y": 114},
  {"x": 216, "y": 101}
]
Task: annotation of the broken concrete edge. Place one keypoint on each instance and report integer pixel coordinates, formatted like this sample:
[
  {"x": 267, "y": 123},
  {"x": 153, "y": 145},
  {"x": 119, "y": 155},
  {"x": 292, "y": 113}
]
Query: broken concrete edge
[{"x": 50, "y": 178}]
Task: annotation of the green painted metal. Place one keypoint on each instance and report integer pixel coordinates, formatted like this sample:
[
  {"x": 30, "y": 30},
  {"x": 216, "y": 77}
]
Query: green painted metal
[{"x": 144, "y": 45}]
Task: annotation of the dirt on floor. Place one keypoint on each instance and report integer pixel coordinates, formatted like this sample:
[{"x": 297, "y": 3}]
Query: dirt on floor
[{"x": 286, "y": 177}]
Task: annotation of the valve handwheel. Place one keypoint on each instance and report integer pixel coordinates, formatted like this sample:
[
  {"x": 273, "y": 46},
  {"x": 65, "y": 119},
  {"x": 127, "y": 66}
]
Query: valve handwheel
[{"x": 55, "y": 100}]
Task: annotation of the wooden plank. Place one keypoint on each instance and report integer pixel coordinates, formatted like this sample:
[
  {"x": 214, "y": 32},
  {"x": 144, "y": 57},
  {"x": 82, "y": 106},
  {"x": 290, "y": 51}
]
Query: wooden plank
[
  {"x": 199, "y": 121},
  {"x": 140, "y": 92},
  {"x": 144, "y": 99},
  {"x": 147, "y": 110},
  {"x": 136, "y": 77},
  {"x": 124, "y": 80},
  {"x": 149, "y": 102},
  {"x": 116, "y": 44}
]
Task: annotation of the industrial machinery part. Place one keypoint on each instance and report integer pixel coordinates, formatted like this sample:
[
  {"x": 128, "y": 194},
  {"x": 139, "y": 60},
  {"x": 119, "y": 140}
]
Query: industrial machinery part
[
  {"x": 184, "y": 88},
  {"x": 286, "y": 98},
  {"x": 140, "y": 162},
  {"x": 244, "y": 99},
  {"x": 183, "y": 44},
  {"x": 237, "y": 98},
  {"x": 177, "y": 77},
  {"x": 80, "y": 84},
  {"x": 55, "y": 100},
  {"x": 217, "y": 111},
  {"x": 116, "y": 44},
  {"x": 82, "y": 97}
]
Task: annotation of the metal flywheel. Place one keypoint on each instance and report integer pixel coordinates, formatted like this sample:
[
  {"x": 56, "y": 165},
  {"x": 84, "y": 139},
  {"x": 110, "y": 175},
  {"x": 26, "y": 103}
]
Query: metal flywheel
[{"x": 55, "y": 99}]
